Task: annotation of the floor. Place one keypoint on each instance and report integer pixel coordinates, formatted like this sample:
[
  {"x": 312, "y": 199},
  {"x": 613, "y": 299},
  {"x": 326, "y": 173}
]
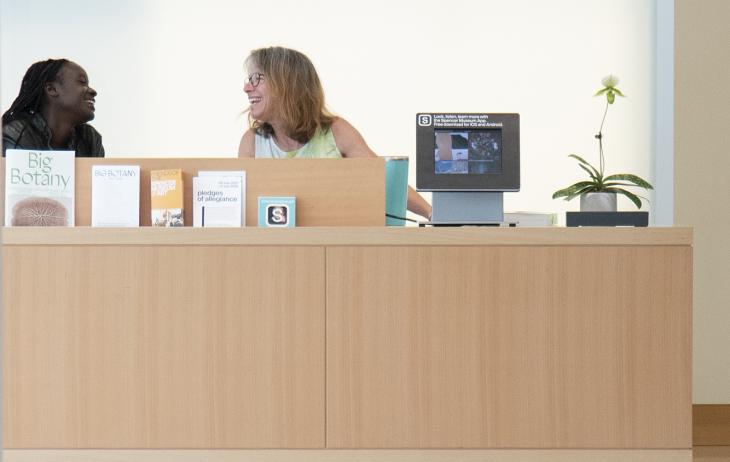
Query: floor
[{"x": 711, "y": 454}]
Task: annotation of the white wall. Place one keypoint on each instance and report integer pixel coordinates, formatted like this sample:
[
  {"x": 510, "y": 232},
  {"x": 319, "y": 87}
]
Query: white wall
[{"x": 170, "y": 72}]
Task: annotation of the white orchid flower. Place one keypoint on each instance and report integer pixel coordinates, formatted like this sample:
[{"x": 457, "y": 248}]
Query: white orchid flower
[
  {"x": 610, "y": 81},
  {"x": 609, "y": 88}
]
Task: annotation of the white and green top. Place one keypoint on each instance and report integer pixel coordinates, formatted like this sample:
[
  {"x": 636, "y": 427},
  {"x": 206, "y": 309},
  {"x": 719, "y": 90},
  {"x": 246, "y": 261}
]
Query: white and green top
[{"x": 322, "y": 145}]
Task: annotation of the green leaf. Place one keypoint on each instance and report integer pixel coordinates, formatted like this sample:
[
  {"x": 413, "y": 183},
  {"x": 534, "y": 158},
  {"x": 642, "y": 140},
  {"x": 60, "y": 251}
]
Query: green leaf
[
  {"x": 573, "y": 190},
  {"x": 626, "y": 193},
  {"x": 601, "y": 91},
  {"x": 617, "y": 183},
  {"x": 638, "y": 181},
  {"x": 618, "y": 92},
  {"x": 585, "y": 162},
  {"x": 590, "y": 173},
  {"x": 586, "y": 189}
]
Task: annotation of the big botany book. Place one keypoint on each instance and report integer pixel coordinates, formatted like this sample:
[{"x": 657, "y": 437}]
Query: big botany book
[{"x": 39, "y": 188}]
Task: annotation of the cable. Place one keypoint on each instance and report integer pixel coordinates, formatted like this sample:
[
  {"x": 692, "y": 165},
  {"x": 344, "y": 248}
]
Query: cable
[{"x": 400, "y": 218}]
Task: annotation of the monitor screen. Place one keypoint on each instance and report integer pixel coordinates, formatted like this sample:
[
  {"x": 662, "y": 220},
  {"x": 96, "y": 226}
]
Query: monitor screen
[{"x": 467, "y": 152}]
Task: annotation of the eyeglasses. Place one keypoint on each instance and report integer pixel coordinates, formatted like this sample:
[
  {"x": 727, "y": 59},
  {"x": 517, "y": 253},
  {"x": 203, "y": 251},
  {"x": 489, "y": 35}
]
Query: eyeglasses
[{"x": 254, "y": 79}]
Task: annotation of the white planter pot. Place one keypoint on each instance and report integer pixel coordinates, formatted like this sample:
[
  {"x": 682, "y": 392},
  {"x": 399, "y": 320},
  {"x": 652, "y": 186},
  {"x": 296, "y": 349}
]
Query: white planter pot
[{"x": 598, "y": 202}]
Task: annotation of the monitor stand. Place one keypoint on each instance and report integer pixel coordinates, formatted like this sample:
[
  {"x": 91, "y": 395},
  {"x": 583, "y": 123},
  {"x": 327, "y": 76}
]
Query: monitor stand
[{"x": 467, "y": 208}]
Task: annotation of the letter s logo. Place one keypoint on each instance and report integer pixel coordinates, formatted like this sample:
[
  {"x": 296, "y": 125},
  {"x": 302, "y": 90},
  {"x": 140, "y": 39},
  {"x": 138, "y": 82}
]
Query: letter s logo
[
  {"x": 277, "y": 215},
  {"x": 424, "y": 120}
]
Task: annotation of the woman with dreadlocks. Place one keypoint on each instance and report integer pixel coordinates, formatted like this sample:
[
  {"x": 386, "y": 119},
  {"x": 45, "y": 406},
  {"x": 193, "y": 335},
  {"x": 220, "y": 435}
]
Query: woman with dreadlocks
[{"x": 52, "y": 110}]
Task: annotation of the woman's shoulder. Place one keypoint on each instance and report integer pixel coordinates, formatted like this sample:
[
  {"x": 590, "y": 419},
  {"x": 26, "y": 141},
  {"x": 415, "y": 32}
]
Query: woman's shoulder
[
  {"x": 15, "y": 127},
  {"x": 349, "y": 141},
  {"x": 342, "y": 131},
  {"x": 22, "y": 133},
  {"x": 340, "y": 125}
]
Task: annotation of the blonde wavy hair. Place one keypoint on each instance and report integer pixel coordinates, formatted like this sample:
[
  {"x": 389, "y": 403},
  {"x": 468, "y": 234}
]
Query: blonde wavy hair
[{"x": 296, "y": 93}]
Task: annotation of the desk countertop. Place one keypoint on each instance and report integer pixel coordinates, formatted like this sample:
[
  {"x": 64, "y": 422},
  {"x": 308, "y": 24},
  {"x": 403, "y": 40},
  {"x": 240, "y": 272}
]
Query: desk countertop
[{"x": 350, "y": 236}]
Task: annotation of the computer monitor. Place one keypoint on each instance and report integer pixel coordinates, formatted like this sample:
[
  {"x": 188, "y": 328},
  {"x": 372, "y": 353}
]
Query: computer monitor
[{"x": 468, "y": 161}]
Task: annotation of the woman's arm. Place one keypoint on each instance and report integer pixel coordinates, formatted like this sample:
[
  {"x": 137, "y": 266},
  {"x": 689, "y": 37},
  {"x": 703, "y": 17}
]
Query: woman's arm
[
  {"x": 351, "y": 144},
  {"x": 247, "y": 148},
  {"x": 417, "y": 204}
]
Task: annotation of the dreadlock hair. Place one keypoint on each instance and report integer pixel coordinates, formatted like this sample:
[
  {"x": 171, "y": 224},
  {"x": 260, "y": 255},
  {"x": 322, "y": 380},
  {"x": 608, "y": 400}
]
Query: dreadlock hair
[{"x": 32, "y": 89}]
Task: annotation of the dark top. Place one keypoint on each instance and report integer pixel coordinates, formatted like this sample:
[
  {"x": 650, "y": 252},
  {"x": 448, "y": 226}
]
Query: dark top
[{"x": 33, "y": 133}]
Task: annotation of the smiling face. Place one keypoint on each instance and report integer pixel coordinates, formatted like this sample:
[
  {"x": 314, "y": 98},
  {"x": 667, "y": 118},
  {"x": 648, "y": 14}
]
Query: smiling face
[
  {"x": 71, "y": 95},
  {"x": 259, "y": 95}
]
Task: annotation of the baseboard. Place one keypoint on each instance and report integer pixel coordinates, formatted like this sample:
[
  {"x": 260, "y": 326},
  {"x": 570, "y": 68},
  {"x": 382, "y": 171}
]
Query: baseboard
[{"x": 711, "y": 425}]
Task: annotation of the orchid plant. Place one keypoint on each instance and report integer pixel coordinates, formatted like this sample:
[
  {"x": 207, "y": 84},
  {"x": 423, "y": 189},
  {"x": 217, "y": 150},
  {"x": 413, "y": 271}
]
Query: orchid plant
[{"x": 598, "y": 181}]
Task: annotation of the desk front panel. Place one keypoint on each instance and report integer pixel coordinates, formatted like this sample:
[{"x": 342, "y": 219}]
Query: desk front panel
[
  {"x": 509, "y": 347},
  {"x": 346, "y": 338},
  {"x": 163, "y": 347}
]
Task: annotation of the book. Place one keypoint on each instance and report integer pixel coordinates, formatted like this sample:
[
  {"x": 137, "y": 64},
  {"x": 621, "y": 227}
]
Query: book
[
  {"x": 277, "y": 212},
  {"x": 236, "y": 173},
  {"x": 217, "y": 201},
  {"x": 166, "y": 197},
  {"x": 115, "y": 196},
  {"x": 531, "y": 218},
  {"x": 39, "y": 188}
]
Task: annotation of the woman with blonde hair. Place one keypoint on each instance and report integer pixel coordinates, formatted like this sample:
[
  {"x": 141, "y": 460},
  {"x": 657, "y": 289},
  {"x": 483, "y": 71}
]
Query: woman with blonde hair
[{"x": 288, "y": 117}]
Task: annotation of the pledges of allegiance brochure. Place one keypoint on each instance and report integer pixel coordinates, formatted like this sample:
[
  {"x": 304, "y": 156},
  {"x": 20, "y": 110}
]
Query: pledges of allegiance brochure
[
  {"x": 115, "y": 196},
  {"x": 217, "y": 201},
  {"x": 235, "y": 173},
  {"x": 39, "y": 188},
  {"x": 166, "y": 197}
]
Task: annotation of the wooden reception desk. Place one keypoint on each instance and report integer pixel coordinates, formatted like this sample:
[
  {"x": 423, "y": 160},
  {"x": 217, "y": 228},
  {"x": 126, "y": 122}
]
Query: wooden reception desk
[{"x": 354, "y": 343}]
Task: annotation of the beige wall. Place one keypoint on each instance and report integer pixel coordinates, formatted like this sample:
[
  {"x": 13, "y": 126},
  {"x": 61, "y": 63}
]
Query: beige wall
[{"x": 702, "y": 181}]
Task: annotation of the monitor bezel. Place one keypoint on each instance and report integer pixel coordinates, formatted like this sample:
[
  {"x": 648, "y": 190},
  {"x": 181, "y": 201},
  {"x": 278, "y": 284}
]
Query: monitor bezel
[{"x": 428, "y": 180}]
